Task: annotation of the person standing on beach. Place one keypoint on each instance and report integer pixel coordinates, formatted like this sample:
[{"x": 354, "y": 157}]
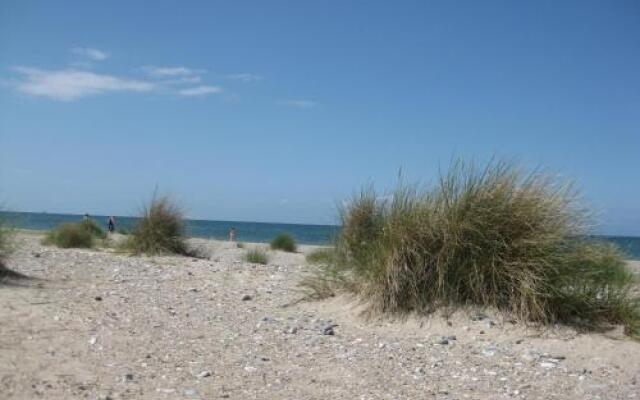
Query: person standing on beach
[
  {"x": 111, "y": 224},
  {"x": 232, "y": 234}
]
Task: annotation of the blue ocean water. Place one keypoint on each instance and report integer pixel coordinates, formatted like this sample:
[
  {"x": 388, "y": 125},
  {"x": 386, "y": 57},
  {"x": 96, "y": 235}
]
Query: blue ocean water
[{"x": 245, "y": 231}]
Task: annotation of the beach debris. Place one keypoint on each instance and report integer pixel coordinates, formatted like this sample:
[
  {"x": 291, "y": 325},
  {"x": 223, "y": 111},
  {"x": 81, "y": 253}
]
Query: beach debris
[
  {"x": 328, "y": 329},
  {"x": 442, "y": 341},
  {"x": 204, "y": 374}
]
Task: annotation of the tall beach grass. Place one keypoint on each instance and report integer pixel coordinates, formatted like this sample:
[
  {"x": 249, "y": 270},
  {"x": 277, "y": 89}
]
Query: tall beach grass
[
  {"x": 160, "y": 229},
  {"x": 493, "y": 236}
]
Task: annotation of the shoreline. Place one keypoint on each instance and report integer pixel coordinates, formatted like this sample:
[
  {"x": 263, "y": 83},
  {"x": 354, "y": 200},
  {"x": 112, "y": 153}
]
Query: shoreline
[
  {"x": 634, "y": 263},
  {"x": 259, "y": 232},
  {"x": 196, "y": 241}
]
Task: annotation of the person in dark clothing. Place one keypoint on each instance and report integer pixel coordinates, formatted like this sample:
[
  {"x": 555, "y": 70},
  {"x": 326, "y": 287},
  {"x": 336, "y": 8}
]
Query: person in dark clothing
[{"x": 111, "y": 224}]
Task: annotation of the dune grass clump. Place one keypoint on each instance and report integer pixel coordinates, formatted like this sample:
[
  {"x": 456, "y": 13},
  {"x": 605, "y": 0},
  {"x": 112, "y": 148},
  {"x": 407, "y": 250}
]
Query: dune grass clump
[
  {"x": 159, "y": 230},
  {"x": 493, "y": 237},
  {"x": 257, "y": 256},
  {"x": 284, "y": 242},
  {"x": 83, "y": 234},
  {"x": 93, "y": 228}
]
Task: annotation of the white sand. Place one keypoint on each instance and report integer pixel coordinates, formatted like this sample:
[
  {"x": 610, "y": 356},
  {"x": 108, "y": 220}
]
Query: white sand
[{"x": 164, "y": 323}]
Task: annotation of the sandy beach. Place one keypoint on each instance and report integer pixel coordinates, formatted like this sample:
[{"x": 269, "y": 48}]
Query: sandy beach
[{"x": 96, "y": 324}]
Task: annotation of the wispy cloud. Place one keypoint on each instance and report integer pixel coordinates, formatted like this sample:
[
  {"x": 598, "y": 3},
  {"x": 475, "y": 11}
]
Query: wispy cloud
[
  {"x": 200, "y": 91},
  {"x": 245, "y": 77},
  {"x": 93, "y": 54},
  {"x": 298, "y": 103},
  {"x": 70, "y": 84},
  {"x": 182, "y": 80},
  {"x": 171, "y": 72}
]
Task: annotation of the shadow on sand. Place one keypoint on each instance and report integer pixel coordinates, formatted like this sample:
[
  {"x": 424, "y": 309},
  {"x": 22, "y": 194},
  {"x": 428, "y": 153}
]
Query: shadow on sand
[{"x": 12, "y": 278}]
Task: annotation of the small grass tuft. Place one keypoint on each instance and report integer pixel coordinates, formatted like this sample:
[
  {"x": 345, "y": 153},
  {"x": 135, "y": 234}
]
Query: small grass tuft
[
  {"x": 5, "y": 247},
  {"x": 321, "y": 256},
  {"x": 257, "y": 256},
  {"x": 284, "y": 242},
  {"x": 159, "y": 230},
  {"x": 6, "y": 274},
  {"x": 240, "y": 245},
  {"x": 83, "y": 234}
]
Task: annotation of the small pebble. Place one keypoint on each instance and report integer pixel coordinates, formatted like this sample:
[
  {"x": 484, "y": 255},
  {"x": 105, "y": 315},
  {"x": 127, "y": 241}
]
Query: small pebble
[
  {"x": 204, "y": 374},
  {"x": 328, "y": 330}
]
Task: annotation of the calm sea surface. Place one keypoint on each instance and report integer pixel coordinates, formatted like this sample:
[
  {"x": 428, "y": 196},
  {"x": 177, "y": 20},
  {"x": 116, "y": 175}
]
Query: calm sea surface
[{"x": 245, "y": 231}]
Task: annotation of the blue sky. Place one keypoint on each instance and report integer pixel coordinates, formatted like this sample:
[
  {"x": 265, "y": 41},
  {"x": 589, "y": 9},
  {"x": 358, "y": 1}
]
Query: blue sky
[{"x": 275, "y": 111}]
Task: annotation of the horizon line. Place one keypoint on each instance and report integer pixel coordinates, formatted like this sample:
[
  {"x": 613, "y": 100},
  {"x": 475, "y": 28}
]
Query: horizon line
[{"x": 186, "y": 218}]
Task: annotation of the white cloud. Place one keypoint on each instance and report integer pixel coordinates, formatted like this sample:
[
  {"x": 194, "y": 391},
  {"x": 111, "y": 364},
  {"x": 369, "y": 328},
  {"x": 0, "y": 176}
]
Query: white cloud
[
  {"x": 93, "y": 54},
  {"x": 171, "y": 72},
  {"x": 245, "y": 77},
  {"x": 70, "y": 84},
  {"x": 298, "y": 103},
  {"x": 199, "y": 91}
]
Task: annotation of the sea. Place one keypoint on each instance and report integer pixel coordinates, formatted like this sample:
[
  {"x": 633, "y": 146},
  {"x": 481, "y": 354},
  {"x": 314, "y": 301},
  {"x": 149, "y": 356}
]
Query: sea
[
  {"x": 258, "y": 232},
  {"x": 253, "y": 232}
]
